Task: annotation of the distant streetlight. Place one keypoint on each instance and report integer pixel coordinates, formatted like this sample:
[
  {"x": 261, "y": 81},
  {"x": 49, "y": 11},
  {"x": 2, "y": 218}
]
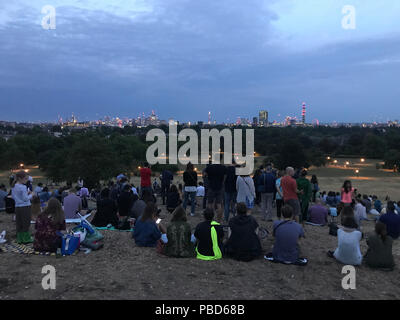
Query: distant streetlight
[
  {"x": 357, "y": 172},
  {"x": 362, "y": 160},
  {"x": 139, "y": 167},
  {"x": 21, "y": 165},
  {"x": 347, "y": 163},
  {"x": 328, "y": 158},
  {"x": 334, "y": 161}
]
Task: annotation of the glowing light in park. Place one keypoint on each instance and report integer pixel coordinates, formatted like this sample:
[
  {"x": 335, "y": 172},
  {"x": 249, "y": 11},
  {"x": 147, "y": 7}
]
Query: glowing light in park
[
  {"x": 362, "y": 160},
  {"x": 347, "y": 163},
  {"x": 357, "y": 171},
  {"x": 334, "y": 161},
  {"x": 328, "y": 158}
]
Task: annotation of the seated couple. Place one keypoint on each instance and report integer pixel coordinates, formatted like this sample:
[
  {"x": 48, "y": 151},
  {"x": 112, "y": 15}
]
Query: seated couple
[
  {"x": 379, "y": 254},
  {"x": 207, "y": 241}
]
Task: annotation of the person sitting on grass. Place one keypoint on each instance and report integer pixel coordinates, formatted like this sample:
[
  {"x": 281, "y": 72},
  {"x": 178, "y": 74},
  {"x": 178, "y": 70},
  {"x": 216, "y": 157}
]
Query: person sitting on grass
[
  {"x": 379, "y": 254},
  {"x": 391, "y": 220},
  {"x": 287, "y": 233},
  {"x": 209, "y": 235},
  {"x": 360, "y": 212},
  {"x": 348, "y": 250},
  {"x": 173, "y": 199},
  {"x": 147, "y": 232},
  {"x": 48, "y": 223},
  {"x": 318, "y": 213},
  {"x": 106, "y": 211},
  {"x": 243, "y": 243},
  {"x": 179, "y": 235}
]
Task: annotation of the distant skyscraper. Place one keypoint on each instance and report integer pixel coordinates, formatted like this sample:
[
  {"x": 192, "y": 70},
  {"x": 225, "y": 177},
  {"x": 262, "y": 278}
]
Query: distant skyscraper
[
  {"x": 303, "y": 113},
  {"x": 263, "y": 118},
  {"x": 209, "y": 117},
  {"x": 255, "y": 121}
]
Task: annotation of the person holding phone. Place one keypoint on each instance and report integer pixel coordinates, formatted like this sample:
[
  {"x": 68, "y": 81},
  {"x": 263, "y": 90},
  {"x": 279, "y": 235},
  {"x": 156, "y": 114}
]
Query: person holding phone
[{"x": 147, "y": 232}]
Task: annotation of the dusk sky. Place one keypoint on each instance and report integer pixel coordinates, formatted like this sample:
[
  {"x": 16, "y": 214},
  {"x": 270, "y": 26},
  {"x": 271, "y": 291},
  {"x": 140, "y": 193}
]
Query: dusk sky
[{"x": 183, "y": 58}]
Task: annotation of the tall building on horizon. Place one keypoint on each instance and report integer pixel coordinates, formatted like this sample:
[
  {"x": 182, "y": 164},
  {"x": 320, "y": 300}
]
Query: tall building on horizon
[
  {"x": 303, "y": 113},
  {"x": 263, "y": 118}
]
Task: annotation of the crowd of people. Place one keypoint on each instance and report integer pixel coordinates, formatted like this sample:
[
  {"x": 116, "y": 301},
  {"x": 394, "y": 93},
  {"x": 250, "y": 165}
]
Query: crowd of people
[{"x": 228, "y": 202}]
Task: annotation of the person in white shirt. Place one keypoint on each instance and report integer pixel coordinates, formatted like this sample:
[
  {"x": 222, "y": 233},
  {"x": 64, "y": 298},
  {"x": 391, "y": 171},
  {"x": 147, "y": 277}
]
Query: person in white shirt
[
  {"x": 200, "y": 193},
  {"x": 360, "y": 213},
  {"x": 348, "y": 250},
  {"x": 22, "y": 197},
  {"x": 246, "y": 192}
]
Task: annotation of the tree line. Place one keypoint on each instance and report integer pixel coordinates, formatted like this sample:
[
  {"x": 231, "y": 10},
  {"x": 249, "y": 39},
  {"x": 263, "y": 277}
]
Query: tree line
[{"x": 101, "y": 153}]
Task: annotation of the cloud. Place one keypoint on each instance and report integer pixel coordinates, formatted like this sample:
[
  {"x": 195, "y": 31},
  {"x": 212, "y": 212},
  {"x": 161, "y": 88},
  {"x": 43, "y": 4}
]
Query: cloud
[{"x": 184, "y": 58}]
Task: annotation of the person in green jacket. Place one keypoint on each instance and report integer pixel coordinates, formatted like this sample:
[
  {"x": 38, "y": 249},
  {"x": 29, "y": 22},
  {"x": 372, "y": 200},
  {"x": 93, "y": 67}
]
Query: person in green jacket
[
  {"x": 379, "y": 254},
  {"x": 305, "y": 188},
  {"x": 179, "y": 236}
]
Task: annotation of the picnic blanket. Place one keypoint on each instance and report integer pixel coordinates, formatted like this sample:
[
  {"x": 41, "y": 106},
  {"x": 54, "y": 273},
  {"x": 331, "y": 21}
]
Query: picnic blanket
[
  {"x": 113, "y": 229},
  {"x": 14, "y": 247}
]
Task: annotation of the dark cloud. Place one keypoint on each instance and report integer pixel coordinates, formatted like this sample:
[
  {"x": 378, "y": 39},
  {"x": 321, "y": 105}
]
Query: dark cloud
[{"x": 184, "y": 59}]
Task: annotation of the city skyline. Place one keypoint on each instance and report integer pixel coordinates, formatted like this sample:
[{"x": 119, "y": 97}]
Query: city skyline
[{"x": 184, "y": 59}]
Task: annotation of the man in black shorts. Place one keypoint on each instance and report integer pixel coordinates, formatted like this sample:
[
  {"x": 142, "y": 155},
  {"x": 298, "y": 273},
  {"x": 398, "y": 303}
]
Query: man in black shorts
[{"x": 216, "y": 175}]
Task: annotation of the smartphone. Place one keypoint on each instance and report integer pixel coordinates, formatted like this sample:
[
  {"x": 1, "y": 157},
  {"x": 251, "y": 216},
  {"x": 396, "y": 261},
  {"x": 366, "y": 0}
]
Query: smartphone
[{"x": 158, "y": 221}]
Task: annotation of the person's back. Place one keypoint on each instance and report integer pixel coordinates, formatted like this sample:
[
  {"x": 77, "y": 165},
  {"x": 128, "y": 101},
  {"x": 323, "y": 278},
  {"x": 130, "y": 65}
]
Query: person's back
[
  {"x": 230, "y": 180},
  {"x": 318, "y": 214},
  {"x": 200, "y": 191},
  {"x": 348, "y": 250},
  {"x": 243, "y": 244},
  {"x": 367, "y": 204},
  {"x": 137, "y": 208},
  {"x": 268, "y": 181},
  {"x": 146, "y": 233},
  {"x": 72, "y": 204},
  {"x": 106, "y": 213},
  {"x": 125, "y": 202},
  {"x": 179, "y": 243},
  {"x": 145, "y": 177},
  {"x": 215, "y": 174},
  {"x": 209, "y": 235},
  {"x": 289, "y": 188},
  {"x": 360, "y": 213},
  {"x": 287, "y": 234},
  {"x": 392, "y": 222},
  {"x": 173, "y": 199},
  {"x": 379, "y": 254},
  {"x": 46, "y": 238}
]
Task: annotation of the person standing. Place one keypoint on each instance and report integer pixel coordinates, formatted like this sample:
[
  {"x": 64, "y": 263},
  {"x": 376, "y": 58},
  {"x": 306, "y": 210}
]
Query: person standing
[
  {"x": 22, "y": 197},
  {"x": 315, "y": 186},
  {"x": 347, "y": 193},
  {"x": 166, "y": 178},
  {"x": 304, "y": 186},
  {"x": 289, "y": 190},
  {"x": 216, "y": 175},
  {"x": 190, "y": 180},
  {"x": 206, "y": 184},
  {"x": 145, "y": 178},
  {"x": 267, "y": 187},
  {"x": 246, "y": 192},
  {"x": 279, "y": 195},
  {"x": 229, "y": 191}
]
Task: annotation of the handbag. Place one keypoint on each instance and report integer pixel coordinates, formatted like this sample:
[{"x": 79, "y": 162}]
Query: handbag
[{"x": 69, "y": 244}]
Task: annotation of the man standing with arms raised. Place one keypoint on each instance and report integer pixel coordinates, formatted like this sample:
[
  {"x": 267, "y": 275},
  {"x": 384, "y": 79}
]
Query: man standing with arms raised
[{"x": 289, "y": 190}]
